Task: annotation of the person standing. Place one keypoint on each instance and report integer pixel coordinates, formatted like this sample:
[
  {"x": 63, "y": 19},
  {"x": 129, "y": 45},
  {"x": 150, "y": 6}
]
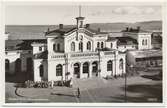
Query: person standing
[
  {"x": 71, "y": 82},
  {"x": 78, "y": 92}
]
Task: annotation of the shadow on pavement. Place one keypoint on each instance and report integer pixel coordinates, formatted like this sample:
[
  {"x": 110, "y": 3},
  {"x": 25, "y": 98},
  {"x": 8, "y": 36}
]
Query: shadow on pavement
[
  {"x": 149, "y": 93},
  {"x": 60, "y": 94}
]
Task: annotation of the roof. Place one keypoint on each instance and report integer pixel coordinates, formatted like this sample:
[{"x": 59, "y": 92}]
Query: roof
[
  {"x": 156, "y": 40},
  {"x": 62, "y": 31},
  {"x": 12, "y": 44},
  {"x": 20, "y": 44},
  {"x": 135, "y": 30},
  {"x": 123, "y": 40},
  {"x": 42, "y": 55},
  {"x": 126, "y": 41}
]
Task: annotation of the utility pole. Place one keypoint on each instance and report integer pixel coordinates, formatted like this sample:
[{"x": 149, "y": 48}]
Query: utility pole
[{"x": 99, "y": 70}]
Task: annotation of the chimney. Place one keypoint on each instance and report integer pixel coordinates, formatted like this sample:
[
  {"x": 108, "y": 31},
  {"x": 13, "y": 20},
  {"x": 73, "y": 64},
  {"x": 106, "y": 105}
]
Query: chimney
[
  {"x": 127, "y": 28},
  {"x": 98, "y": 30},
  {"x": 138, "y": 28},
  {"x": 87, "y": 25},
  {"x": 60, "y": 26}
]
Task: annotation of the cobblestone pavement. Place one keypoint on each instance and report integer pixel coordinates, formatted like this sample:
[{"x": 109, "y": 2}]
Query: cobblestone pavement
[{"x": 92, "y": 90}]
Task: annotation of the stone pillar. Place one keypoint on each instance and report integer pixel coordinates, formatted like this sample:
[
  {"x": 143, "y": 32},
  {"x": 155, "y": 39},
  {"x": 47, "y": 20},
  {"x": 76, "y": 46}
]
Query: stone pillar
[
  {"x": 90, "y": 70},
  {"x": 81, "y": 70}
]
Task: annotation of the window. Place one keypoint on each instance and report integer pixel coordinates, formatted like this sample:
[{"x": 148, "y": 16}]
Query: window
[
  {"x": 85, "y": 67},
  {"x": 7, "y": 64},
  {"x": 58, "y": 47},
  {"x": 121, "y": 64},
  {"x": 80, "y": 46},
  {"x": 98, "y": 44},
  {"x": 146, "y": 42},
  {"x": 41, "y": 70},
  {"x": 40, "y": 48},
  {"x": 102, "y": 46},
  {"x": 59, "y": 70},
  {"x": 94, "y": 66},
  {"x": 143, "y": 42},
  {"x": 54, "y": 47},
  {"x": 111, "y": 45},
  {"x": 109, "y": 65},
  {"x": 72, "y": 46},
  {"x": 88, "y": 45}
]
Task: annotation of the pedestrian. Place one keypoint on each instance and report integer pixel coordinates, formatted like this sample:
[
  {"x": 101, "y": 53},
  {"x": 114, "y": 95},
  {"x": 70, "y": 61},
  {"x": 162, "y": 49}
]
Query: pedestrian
[
  {"x": 71, "y": 82},
  {"x": 78, "y": 92},
  {"x": 52, "y": 84}
]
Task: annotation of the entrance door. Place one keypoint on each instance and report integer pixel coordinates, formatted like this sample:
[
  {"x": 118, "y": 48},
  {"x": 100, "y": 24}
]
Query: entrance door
[
  {"x": 29, "y": 68},
  {"x": 18, "y": 66},
  {"x": 94, "y": 69},
  {"x": 76, "y": 70}
]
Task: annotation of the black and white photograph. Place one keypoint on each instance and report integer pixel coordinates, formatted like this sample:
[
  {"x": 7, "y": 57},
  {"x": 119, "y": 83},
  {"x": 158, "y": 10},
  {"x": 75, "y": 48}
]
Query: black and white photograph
[{"x": 83, "y": 53}]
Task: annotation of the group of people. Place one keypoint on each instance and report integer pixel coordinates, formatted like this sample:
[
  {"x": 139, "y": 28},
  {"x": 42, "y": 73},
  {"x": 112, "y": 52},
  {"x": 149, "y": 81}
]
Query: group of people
[{"x": 70, "y": 85}]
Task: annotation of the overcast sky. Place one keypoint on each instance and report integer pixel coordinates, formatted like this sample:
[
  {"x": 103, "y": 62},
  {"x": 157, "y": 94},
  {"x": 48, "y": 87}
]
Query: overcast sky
[{"x": 42, "y": 15}]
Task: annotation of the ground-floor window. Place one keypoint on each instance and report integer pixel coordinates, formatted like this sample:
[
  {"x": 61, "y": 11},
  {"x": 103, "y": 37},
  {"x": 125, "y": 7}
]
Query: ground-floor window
[
  {"x": 121, "y": 64},
  {"x": 41, "y": 70},
  {"x": 59, "y": 70},
  {"x": 7, "y": 64},
  {"x": 18, "y": 65},
  {"x": 94, "y": 66},
  {"x": 85, "y": 67},
  {"x": 109, "y": 65}
]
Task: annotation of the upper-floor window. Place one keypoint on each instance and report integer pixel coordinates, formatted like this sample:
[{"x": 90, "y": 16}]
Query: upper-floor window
[
  {"x": 102, "y": 45},
  {"x": 146, "y": 42},
  {"x": 143, "y": 42},
  {"x": 54, "y": 47},
  {"x": 111, "y": 45},
  {"x": 88, "y": 45},
  {"x": 72, "y": 46},
  {"x": 98, "y": 44},
  {"x": 40, "y": 48},
  {"x": 80, "y": 46},
  {"x": 58, "y": 47}
]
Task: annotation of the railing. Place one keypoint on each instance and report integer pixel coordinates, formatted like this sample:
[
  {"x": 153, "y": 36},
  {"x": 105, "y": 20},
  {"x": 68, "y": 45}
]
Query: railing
[
  {"x": 84, "y": 54},
  {"x": 109, "y": 52},
  {"x": 58, "y": 56}
]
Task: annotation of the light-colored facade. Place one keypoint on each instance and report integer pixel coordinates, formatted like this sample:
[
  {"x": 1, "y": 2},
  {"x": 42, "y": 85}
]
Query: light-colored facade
[{"x": 77, "y": 52}]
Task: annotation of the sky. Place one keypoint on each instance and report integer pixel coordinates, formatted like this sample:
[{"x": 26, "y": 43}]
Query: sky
[{"x": 66, "y": 14}]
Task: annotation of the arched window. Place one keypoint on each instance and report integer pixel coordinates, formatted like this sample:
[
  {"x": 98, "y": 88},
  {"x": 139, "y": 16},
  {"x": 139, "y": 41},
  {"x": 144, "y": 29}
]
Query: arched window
[
  {"x": 121, "y": 64},
  {"x": 41, "y": 70},
  {"x": 80, "y": 46},
  {"x": 88, "y": 45},
  {"x": 143, "y": 42},
  {"x": 94, "y": 66},
  {"x": 111, "y": 45},
  {"x": 18, "y": 65},
  {"x": 58, "y": 47},
  {"x": 59, "y": 70},
  {"x": 29, "y": 64},
  {"x": 98, "y": 44},
  {"x": 102, "y": 45},
  {"x": 146, "y": 42},
  {"x": 109, "y": 65},
  {"x": 86, "y": 67},
  {"x": 7, "y": 65},
  {"x": 54, "y": 47},
  {"x": 72, "y": 46}
]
